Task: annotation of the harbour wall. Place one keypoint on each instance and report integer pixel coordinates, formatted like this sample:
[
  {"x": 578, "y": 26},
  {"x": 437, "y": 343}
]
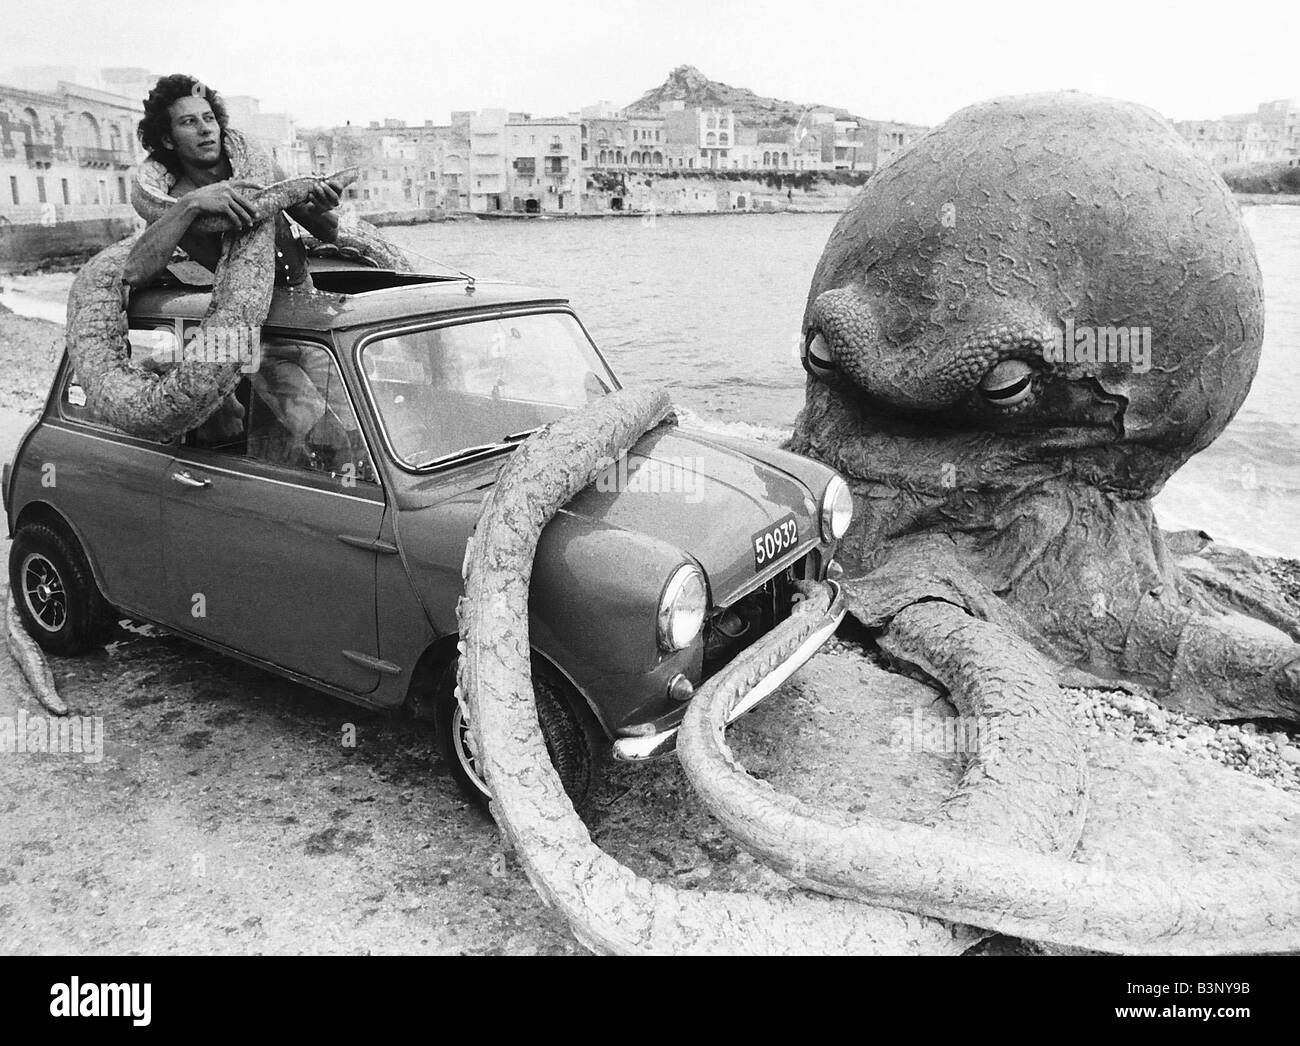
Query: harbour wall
[{"x": 67, "y": 243}]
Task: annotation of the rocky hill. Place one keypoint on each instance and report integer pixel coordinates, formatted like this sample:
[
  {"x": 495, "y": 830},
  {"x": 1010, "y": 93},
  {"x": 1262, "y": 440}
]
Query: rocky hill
[{"x": 688, "y": 84}]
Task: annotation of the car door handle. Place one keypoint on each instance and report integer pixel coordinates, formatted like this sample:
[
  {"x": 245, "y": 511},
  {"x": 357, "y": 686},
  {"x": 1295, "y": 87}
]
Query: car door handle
[{"x": 186, "y": 480}]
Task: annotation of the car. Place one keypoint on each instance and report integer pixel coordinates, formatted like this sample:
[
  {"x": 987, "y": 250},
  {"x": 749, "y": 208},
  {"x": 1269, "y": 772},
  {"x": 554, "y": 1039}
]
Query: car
[{"x": 315, "y": 526}]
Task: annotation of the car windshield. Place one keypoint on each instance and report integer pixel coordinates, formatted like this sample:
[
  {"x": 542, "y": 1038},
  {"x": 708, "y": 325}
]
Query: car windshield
[{"x": 451, "y": 391}]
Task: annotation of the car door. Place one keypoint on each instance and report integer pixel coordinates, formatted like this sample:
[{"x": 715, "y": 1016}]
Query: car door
[
  {"x": 271, "y": 513},
  {"x": 106, "y": 484}
]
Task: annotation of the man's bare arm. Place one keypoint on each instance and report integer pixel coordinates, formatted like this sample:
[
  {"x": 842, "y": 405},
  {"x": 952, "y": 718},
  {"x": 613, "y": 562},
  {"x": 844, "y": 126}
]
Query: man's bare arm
[
  {"x": 153, "y": 250},
  {"x": 321, "y": 224}
]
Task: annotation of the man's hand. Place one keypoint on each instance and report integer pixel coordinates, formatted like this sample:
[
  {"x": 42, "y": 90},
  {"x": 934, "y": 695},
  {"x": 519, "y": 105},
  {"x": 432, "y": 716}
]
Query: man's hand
[
  {"x": 313, "y": 213},
  {"x": 153, "y": 249},
  {"x": 324, "y": 195},
  {"x": 225, "y": 200}
]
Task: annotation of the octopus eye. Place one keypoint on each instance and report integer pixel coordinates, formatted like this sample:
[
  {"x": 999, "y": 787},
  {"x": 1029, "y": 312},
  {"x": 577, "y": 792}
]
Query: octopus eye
[
  {"x": 1007, "y": 384},
  {"x": 818, "y": 359}
]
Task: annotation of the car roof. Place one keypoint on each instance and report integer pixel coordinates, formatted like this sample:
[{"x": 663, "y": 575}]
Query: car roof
[{"x": 352, "y": 295}]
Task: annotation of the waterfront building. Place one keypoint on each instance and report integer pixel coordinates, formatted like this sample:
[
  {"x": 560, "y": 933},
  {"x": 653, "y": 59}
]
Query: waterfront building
[
  {"x": 486, "y": 162},
  {"x": 881, "y": 140},
  {"x": 646, "y": 141},
  {"x": 776, "y": 149},
  {"x": 703, "y": 137},
  {"x": 607, "y": 136},
  {"x": 849, "y": 147},
  {"x": 1271, "y": 132},
  {"x": 743, "y": 154},
  {"x": 1225, "y": 143},
  {"x": 273, "y": 132},
  {"x": 402, "y": 166},
  {"x": 1280, "y": 120},
  {"x": 66, "y": 152},
  {"x": 544, "y": 171}
]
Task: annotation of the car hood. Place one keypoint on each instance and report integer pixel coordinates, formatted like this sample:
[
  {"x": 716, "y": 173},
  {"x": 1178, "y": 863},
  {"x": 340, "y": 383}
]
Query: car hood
[
  {"x": 676, "y": 490},
  {"x": 710, "y": 500}
]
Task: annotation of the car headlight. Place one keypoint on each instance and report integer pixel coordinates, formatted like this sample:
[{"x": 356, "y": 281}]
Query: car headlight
[
  {"x": 837, "y": 509},
  {"x": 682, "y": 607}
]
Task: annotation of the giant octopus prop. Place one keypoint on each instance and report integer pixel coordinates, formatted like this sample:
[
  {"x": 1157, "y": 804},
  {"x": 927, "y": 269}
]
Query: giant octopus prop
[
  {"x": 992, "y": 472},
  {"x": 1004, "y": 546}
]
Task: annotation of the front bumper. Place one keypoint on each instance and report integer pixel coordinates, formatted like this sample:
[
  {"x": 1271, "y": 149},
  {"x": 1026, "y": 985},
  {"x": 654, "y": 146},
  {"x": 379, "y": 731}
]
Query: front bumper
[{"x": 635, "y": 749}]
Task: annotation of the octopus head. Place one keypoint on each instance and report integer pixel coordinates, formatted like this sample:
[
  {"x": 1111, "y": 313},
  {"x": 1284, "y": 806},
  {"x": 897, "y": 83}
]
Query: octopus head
[{"x": 1038, "y": 278}]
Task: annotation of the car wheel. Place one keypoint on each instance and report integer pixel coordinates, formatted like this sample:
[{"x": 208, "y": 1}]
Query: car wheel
[
  {"x": 55, "y": 593},
  {"x": 571, "y": 745}
]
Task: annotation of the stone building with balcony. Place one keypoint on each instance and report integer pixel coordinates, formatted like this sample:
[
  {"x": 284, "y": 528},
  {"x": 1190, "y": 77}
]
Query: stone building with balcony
[
  {"x": 1271, "y": 132},
  {"x": 544, "y": 164},
  {"x": 401, "y": 166},
  {"x": 647, "y": 141},
  {"x": 606, "y": 136},
  {"x": 67, "y": 153},
  {"x": 486, "y": 167},
  {"x": 67, "y": 159},
  {"x": 1226, "y": 143}
]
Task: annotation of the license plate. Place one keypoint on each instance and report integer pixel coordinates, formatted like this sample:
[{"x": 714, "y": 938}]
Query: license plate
[{"x": 772, "y": 542}]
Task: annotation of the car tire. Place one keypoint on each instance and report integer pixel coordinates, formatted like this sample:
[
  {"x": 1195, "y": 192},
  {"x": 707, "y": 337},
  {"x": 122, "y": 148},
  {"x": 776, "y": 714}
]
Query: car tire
[
  {"x": 55, "y": 592},
  {"x": 571, "y": 744}
]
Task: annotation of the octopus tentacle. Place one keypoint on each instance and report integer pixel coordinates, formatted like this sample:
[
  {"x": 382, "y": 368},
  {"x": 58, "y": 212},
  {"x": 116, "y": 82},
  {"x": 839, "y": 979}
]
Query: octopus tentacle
[
  {"x": 970, "y": 863},
  {"x": 27, "y": 655},
  {"x": 1212, "y": 667}
]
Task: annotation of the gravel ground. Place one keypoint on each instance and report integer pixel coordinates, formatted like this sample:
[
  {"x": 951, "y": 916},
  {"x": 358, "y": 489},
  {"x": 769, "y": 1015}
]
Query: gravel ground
[
  {"x": 1260, "y": 749},
  {"x": 30, "y": 350}
]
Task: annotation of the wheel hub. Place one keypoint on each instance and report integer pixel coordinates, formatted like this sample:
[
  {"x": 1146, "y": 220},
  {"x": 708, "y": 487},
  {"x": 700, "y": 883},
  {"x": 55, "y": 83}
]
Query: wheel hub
[{"x": 43, "y": 592}]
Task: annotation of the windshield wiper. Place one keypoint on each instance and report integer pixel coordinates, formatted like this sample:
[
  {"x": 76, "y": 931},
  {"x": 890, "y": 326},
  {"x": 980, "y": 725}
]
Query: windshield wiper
[
  {"x": 482, "y": 448},
  {"x": 465, "y": 452}
]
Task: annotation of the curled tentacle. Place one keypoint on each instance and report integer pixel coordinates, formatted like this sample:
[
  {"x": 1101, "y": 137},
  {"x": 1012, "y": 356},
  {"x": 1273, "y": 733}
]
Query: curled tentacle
[
  {"x": 970, "y": 863},
  {"x": 360, "y": 240}
]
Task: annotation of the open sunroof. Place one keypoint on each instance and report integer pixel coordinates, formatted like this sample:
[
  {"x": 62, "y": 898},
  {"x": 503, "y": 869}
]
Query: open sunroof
[{"x": 360, "y": 281}]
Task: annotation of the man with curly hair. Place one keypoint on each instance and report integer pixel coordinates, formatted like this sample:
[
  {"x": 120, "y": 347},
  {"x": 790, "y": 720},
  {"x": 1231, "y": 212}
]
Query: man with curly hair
[{"x": 185, "y": 128}]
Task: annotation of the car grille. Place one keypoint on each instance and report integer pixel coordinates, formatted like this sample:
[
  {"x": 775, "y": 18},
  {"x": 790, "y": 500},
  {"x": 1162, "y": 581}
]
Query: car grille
[{"x": 729, "y": 630}]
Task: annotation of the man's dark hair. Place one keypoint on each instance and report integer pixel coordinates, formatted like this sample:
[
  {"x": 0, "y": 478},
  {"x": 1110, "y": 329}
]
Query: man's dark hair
[{"x": 157, "y": 121}]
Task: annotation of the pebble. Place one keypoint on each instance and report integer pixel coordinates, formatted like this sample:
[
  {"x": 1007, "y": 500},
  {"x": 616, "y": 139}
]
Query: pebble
[{"x": 1244, "y": 747}]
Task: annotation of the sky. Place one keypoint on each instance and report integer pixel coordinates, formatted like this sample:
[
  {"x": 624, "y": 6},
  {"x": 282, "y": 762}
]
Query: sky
[{"x": 327, "y": 62}]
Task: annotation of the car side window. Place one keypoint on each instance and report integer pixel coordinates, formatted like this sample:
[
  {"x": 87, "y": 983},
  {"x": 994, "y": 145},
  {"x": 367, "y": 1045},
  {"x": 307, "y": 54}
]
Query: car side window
[
  {"x": 298, "y": 414},
  {"x": 151, "y": 344},
  {"x": 293, "y": 412}
]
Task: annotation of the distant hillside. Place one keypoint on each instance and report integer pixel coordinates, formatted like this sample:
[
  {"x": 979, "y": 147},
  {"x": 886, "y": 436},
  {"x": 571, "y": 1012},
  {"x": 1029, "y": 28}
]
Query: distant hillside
[{"x": 689, "y": 85}]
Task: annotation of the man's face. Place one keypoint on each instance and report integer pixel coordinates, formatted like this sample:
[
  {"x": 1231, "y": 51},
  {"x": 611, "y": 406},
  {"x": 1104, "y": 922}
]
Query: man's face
[{"x": 195, "y": 134}]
